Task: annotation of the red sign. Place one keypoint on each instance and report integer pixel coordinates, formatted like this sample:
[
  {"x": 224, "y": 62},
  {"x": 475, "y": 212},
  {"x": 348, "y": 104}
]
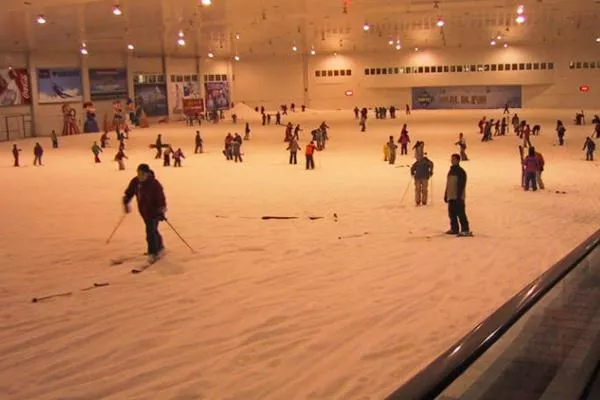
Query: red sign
[
  {"x": 584, "y": 88},
  {"x": 349, "y": 92}
]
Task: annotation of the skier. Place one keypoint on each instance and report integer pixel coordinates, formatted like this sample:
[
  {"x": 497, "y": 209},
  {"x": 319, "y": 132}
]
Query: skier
[
  {"x": 247, "y": 132},
  {"x": 560, "y": 131},
  {"x": 404, "y": 140},
  {"x": 96, "y": 150},
  {"x": 526, "y": 136},
  {"x": 419, "y": 149},
  {"x": 228, "y": 150},
  {"x": 288, "y": 132},
  {"x": 407, "y": 109},
  {"x": 392, "y": 150},
  {"x": 386, "y": 152},
  {"x": 158, "y": 145},
  {"x": 293, "y": 147},
  {"x": 531, "y": 167},
  {"x": 597, "y": 130},
  {"x": 541, "y": 164},
  {"x": 297, "y": 131},
  {"x": 177, "y": 156},
  {"x": 503, "y": 126},
  {"x": 506, "y": 110},
  {"x": 363, "y": 123},
  {"x": 497, "y": 128},
  {"x": 421, "y": 171},
  {"x": 293, "y": 107},
  {"x": 264, "y": 119},
  {"x": 462, "y": 143},
  {"x": 456, "y": 184},
  {"x": 198, "y": 141},
  {"x": 356, "y": 110},
  {"x": 104, "y": 140},
  {"x": 392, "y": 112},
  {"x": 589, "y": 146},
  {"x": 152, "y": 206},
  {"x": 38, "y": 152},
  {"x": 515, "y": 123},
  {"x": 236, "y": 148},
  {"x": 54, "y": 139},
  {"x": 535, "y": 131},
  {"x": 15, "y": 152},
  {"x": 309, "y": 153},
  {"x": 119, "y": 158},
  {"x": 481, "y": 125},
  {"x": 167, "y": 156}
]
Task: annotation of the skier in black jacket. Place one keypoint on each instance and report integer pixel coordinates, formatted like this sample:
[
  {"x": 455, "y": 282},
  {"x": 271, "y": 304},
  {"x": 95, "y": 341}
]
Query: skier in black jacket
[{"x": 456, "y": 184}]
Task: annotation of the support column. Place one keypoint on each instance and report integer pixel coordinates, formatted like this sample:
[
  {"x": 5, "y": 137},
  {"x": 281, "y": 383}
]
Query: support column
[
  {"x": 130, "y": 76},
  {"x": 166, "y": 70},
  {"x": 306, "y": 94},
  {"x": 85, "y": 78},
  {"x": 35, "y": 97},
  {"x": 231, "y": 77}
]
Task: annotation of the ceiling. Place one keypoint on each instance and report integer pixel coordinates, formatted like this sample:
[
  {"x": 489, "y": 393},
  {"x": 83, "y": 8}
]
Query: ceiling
[{"x": 267, "y": 27}]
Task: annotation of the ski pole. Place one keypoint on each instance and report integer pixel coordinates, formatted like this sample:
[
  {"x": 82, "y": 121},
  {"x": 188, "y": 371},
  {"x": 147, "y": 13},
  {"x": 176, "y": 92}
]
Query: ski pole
[
  {"x": 431, "y": 196},
  {"x": 405, "y": 192},
  {"x": 178, "y": 235},
  {"x": 116, "y": 227}
]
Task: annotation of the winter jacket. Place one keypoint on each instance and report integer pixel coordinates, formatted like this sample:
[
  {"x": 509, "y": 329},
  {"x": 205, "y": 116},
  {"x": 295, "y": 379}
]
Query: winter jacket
[
  {"x": 422, "y": 169},
  {"x": 392, "y": 147},
  {"x": 531, "y": 164},
  {"x": 404, "y": 138},
  {"x": 310, "y": 149},
  {"x": 540, "y": 160},
  {"x": 38, "y": 150},
  {"x": 294, "y": 146},
  {"x": 589, "y": 145},
  {"x": 150, "y": 196},
  {"x": 456, "y": 183}
]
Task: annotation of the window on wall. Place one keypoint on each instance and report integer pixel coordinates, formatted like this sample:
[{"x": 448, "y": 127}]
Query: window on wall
[
  {"x": 528, "y": 66},
  {"x": 473, "y": 68},
  {"x": 493, "y": 67},
  {"x": 500, "y": 67},
  {"x": 366, "y": 71},
  {"x": 550, "y": 65},
  {"x": 384, "y": 71},
  {"x": 348, "y": 72},
  {"x": 336, "y": 72},
  {"x": 317, "y": 73},
  {"x": 536, "y": 66},
  {"x": 343, "y": 72},
  {"x": 426, "y": 70},
  {"x": 515, "y": 67}
]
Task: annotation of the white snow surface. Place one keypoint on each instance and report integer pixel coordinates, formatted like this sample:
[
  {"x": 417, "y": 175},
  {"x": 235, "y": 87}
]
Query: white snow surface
[{"x": 279, "y": 309}]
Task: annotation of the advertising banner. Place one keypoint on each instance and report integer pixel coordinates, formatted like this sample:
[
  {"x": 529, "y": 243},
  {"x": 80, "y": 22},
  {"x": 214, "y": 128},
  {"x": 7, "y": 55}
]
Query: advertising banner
[
  {"x": 217, "y": 96},
  {"x": 465, "y": 97},
  {"x": 60, "y": 85},
  {"x": 15, "y": 87},
  {"x": 152, "y": 98},
  {"x": 108, "y": 84},
  {"x": 182, "y": 91}
]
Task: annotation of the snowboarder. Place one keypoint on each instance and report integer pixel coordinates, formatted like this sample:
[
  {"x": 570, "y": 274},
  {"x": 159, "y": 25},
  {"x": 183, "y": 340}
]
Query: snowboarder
[
  {"x": 119, "y": 158},
  {"x": 198, "y": 144},
  {"x": 96, "y": 150},
  {"x": 404, "y": 140},
  {"x": 531, "y": 168},
  {"x": 560, "y": 131},
  {"x": 54, "y": 139},
  {"x": 421, "y": 171},
  {"x": 152, "y": 206},
  {"x": 158, "y": 145},
  {"x": 309, "y": 153},
  {"x": 177, "y": 156},
  {"x": 462, "y": 143},
  {"x": 15, "y": 152},
  {"x": 293, "y": 147},
  {"x": 456, "y": 184},
  {"x": 247, "y": 132},
  {"x": 589, "y": 146},
  {"x": 392, "y": 150},
  {"x": 38, "y": 152}
]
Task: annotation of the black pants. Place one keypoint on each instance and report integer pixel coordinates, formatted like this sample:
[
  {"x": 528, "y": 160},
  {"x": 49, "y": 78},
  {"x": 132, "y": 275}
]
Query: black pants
[
  {"x": 153, "y": 238},
  {"x": 403, "y": 148},
  {"x": 456, "y": 212},
  {"x": 16, "y": 162},
  {"x": 589, "y": 156},
  {"x": 561, "y": 140},
  {"x": 198, "y": 148},
  {"x": 177, "y": 162},
  {"x": 37, "y": 160},
  {"x": 293, "y": 158},
  {"x": 54, "y": 145},
  {"x": 530, "y": 179},
  {"x": 237, "y": 156},
  {"x": 310, "y": 162}
]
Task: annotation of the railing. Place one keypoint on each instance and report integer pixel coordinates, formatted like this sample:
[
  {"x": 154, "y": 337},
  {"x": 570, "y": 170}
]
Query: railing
[
  {"x": 15, "y": 126},
  {"x": 530, "y": 347}
]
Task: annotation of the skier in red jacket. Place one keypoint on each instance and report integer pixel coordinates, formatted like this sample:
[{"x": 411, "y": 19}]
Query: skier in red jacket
[{"x": 152, "y": 206}]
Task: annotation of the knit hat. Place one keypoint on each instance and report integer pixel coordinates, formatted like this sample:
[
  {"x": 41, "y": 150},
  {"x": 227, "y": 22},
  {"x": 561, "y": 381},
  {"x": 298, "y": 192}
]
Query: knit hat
[{"x": 144, "y": 168}]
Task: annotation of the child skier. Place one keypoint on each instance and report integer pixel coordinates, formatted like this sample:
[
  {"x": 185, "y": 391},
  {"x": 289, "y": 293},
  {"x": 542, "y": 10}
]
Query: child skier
[
  {"x": 392, "y": 150},
  {"x": 462, "y": 143},
  {"x": 421, "y": 171},
  {"x": 15, "y": 152},
  {"x": 119, "y": 158},
  {"x": 589, "y": 146},
  {"x": 404, "y": 141},
  {"x": 54, "y": 139},
  {"x": 177, "y": 156},
  {"x": 96, "y": 150}
]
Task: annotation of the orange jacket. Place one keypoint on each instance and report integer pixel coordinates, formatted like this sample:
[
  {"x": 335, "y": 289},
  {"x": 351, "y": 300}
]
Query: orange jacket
[{"x": 310, "y": 149}]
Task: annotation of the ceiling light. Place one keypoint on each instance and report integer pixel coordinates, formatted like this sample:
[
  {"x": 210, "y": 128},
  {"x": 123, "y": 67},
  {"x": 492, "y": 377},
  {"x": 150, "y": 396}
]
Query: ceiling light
[
  {"x": 294, "y": 48},
  {"x": 130, "y": 47},
  {"x": 313, "y": 52},
  {"x": 440, "y": 23},
  {"x": 416, "y": 49},
  {"x": 84, "y": 51},
  {"x": 180, "y": 34},
  {"x": 237, "y": 36},
  {"x": 210, "y": 54},
  {"x": 520, "y": 19},
  {"x": 181, "y": 42},
  {"x": 117, "y": 10},
  {"x": 41, "y": 19},
  {"x": 493, "y": 42},
  {"x": 236, "y": 58},
  {"x": 390, "y": 42},
  {"x": 499, "y": 37},
  {"x": 598, "y": 39},
  {"x": 520, "y": 10},
  {"x": 206, "y": 2},
  {"x": 505, "y": 45},
  {"x": 398, "y": 47},
  {"x": 366, "y": 27}
]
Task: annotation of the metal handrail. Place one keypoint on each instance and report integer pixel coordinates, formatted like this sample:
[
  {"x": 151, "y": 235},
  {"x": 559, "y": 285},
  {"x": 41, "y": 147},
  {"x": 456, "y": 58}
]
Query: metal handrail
[{"x": 440, "y": 373}]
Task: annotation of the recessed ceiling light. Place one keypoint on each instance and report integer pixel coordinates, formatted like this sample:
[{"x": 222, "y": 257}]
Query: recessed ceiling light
[
  {"x": 416, "y": 49},
  {"x": 210, "y": 54},
  {"x": 206, "y": 2},
  {"x": 398, "y": 47},
  {"x": 41, "y": 19},
  {"x": 294, "y": 48},
  {"x": 505, "y": 45},
  {"x": 493, "y": 42},
  {"x": 236, "y": 58},
  {"x": 130, "y": 47},
  {"x": 440, "y": 23},
  {"x": 181, "y": 42},
  {"x": 520, "y": 19},
  {"x": 117, "y": 10},
  {"x": 180, "y": 34},
  {"x": 598, "y": 39},
  {"x": 366, "y": 27},
  {"x": 313, "y": 52},
  {"x": 520, "y": 10},
  {"x": 499, "y": 37},
  {"x": 84, "y": 51}
]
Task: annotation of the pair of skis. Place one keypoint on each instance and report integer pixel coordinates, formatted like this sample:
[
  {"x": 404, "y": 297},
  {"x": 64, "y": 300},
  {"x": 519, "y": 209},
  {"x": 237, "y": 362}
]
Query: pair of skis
[{"x": 140, "y": 268}]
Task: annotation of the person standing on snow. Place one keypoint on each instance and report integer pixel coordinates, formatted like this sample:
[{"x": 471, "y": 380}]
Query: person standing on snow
[
  {"x": 152, "y": 206},
  {"x": 456, "y": 184},
  {"x": 421, "y": 171},
  {"x": 462, "y": 143},
  {"x": 589, "y": 146}
]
